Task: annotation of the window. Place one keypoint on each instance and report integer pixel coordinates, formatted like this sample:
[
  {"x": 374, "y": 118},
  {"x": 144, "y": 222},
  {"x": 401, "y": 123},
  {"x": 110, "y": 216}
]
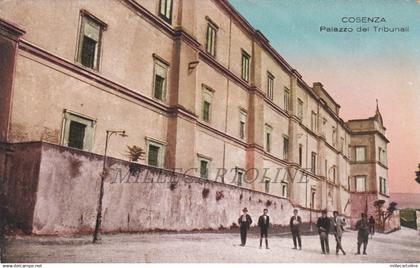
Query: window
[
  {"x": 349, "y": 183},
  {"x": 360, "y": 152},
  {"x": 313, "y": 121},
  {"x": 313, "y": 198},
  {"x": 334, "y": 137},
  {"x": 245, "y": 66},
  {"x": 211, "y": 38},
  {"x": 78, "y": 131},
  {"x": 267, "y": 185},
  {"x": 300, "y": 154},
  {"x": 382, "y": 185},
  {"x": 155, "y": 152},
  {"x": 239, "y": 176},
  {"x": 300, "y": 109},
  {"x": 165, "y": 10},
  {"x": 153, "y": 155},
  {"x": 160, "y": 80},
  {"x": 381, "y": 155},
  {"x": 285, "y": 147},
  {"x": 270, "y": 86},
  {"x": 284, "y": 188},
  {"x": 206, "y": 104},
  {"x": 326, "y": 169},
  {"x": 76, "y": 135},
  {"x": 286, "y": 99},
  {"x": 242, "y": 124},
  {"x": 313, "y": 162},
  {"x": 90, "y": 41},
  {"x": 342, "y": 142},
  {"x": 268, "y": 131},
  {"x": 204, "y": 166},
  {"x": 360, "y": 183},
  {"x": 204, "y": 169}
]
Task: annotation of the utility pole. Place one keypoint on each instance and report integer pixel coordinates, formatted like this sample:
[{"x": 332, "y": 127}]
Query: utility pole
[{"x": 98, "y": 224}]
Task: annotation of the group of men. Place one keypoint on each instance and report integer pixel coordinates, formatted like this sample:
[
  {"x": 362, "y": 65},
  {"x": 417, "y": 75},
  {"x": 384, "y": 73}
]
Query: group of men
[{"x": 326, "y": 226}]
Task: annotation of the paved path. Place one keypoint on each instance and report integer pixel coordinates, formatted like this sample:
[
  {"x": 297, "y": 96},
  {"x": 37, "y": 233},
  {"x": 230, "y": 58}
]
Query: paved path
[{"x": 400, "y": 246}]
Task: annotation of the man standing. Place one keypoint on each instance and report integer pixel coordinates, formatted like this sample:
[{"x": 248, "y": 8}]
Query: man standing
[
  {"x": 244, "y": 222},
  {"x": 362, "y": 226},
  {"x": 338, "y": 232},
  {"x": 323, "y": 225},
  {"x": 371, "y": 226},
  {"x": 263, "y": 223},
  {"x": 295, "y": 222}
]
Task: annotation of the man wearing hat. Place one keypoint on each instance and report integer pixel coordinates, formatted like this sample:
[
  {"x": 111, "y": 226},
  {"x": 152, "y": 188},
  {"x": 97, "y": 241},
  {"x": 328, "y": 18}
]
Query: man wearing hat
[
  {"x": 295, "y": 223},
  {"x": 323, "y": 225},
  {"x": 362, "y": 226},
  {"x": 244, "y": 222}
]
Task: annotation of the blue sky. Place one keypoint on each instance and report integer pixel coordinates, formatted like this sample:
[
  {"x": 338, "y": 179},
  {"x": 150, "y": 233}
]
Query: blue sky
[{"x": 293, "y": 27}]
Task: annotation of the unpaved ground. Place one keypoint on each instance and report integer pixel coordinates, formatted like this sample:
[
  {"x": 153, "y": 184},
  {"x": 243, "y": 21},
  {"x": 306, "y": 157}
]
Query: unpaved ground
[{"x": 400, "y": 246}]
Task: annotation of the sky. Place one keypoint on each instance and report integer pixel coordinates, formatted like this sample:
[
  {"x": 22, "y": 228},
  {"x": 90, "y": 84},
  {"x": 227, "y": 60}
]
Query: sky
[{"x": 355, "y": 67}]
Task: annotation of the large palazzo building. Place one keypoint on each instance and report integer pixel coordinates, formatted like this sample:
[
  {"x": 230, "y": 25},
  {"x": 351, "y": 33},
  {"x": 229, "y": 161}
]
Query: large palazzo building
[{"x": 194, "y": 85}]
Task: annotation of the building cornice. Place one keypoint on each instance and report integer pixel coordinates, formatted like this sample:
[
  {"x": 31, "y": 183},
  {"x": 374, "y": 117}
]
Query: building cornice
[
  {"x": 96, "y": 77},
  {"x": 370, "y": 132},
  {"x": 179, "y": 32},
  {"x": 144, "y": 13},
  {"x": 368, "y": 162},
  {"x": 10, "y": 30}
]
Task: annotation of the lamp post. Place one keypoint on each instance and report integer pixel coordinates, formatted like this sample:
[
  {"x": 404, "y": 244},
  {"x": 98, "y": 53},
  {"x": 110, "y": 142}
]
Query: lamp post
[{"x": 98, "y": 223}]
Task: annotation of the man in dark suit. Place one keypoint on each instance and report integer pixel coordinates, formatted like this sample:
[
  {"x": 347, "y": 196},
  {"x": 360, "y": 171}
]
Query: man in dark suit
[
  {"x": 244, "y": 222},
  {"x": 323, "y": 225},
  {"x": 295, "y": 222},
  {"x": 263, "y": 223},
  {"x": 362, "y": 227}
]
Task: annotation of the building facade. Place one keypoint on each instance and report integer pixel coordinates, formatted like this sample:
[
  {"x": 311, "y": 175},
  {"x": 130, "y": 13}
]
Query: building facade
[{"x": 194, "y": 85}]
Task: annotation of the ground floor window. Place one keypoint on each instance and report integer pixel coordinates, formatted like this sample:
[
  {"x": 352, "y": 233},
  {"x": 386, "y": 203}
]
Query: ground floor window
[
  {"x": 155, "y": 152},
  {"x": 360, "y": 183},
  {"x": 204, "y": 166},
  {"x": 78, "y": 131},
  {"x": 239, "y": 176},
  {"x": 382, "y": 185},
  {"x": 267, "y": 185},
  {"x": 284, "y": 189}
]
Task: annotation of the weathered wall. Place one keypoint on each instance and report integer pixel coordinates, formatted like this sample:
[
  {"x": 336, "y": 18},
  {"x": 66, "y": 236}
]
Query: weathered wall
[
  {"x": 152, "y": 199},
  {"x": 18, "y": 186}
]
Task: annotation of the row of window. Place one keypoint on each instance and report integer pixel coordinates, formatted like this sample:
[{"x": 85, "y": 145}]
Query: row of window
[
  {"x": 360, "y": 154},
  {"x": 360, "y": 184},
  {"x": 79, "y": 130},
  {"x": 204, "y": 166}
]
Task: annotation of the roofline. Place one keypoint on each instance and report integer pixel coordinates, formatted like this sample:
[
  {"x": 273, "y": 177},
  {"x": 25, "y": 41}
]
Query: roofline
[{"x": 265, "y": 43}]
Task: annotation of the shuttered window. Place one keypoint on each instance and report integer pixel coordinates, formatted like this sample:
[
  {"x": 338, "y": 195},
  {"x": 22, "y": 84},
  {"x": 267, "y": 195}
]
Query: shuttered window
[{"x": 89, "y": 42}]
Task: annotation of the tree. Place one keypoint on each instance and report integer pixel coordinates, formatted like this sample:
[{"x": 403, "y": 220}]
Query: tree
[
  {"x": 135, "y": 153},
  {"x": 383, "y": 215}
]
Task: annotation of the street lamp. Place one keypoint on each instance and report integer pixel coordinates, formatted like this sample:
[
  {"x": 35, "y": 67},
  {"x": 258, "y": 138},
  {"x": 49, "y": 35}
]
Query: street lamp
[{"x": 109, "y": 133}]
